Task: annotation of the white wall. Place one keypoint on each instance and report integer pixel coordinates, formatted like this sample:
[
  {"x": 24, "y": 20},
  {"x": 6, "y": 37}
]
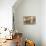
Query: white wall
[
  {"x": 37, "y": 31},
  {"x": 43, "y": 22},
  {"x": 29, "y": 8},
  {"x": 6, "y": 13}
]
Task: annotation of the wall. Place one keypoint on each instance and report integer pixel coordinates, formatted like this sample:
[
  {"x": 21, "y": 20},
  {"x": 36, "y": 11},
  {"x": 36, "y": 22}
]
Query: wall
[
  {"x": 43, "y": 22},
  {"x": 29, "y": 8}
]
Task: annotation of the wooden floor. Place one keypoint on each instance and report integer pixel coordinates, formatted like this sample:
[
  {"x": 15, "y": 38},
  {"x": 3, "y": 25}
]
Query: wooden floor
[{"x": 9, "y": 43}]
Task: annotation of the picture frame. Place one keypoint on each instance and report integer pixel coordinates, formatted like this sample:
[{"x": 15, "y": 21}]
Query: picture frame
[{"x": 29, "y": 20}]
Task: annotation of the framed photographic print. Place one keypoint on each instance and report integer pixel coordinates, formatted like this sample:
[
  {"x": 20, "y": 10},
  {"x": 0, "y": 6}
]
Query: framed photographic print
[{"x": 29, "y": 19}]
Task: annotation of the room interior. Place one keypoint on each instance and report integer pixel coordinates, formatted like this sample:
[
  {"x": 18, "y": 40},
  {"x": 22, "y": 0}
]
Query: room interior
[{"x": 22, "y": 23}]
